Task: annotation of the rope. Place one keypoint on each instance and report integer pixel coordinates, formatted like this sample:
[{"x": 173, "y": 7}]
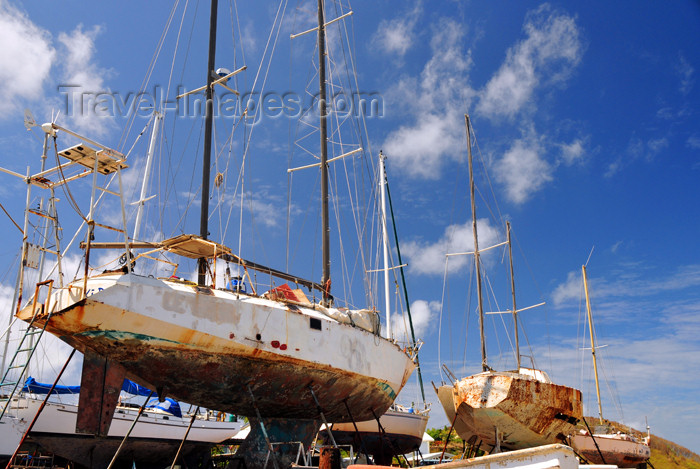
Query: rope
[
  {"x": 11, "y": 219},
  {"x": 149, "y": 72}
]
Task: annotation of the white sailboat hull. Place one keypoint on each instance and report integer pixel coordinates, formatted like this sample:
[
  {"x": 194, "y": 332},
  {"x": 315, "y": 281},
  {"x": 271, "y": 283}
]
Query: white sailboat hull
[
  {"x": 510, "y": 410},
  {"x": 155, "y": 436},
  {"x": 11, "y": 431},
  {"x": 621, "y": 449},
  {"x": 403, "y": 432},
  {"x": 215, "y": 348}
]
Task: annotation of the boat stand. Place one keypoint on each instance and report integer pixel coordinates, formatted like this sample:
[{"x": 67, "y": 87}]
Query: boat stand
[
  {"x": 447, "y": 440},
  {"x": 590, "y": 432},
  {"x": 280, "y": 440},
  {"x": 323, "y": 417},
  {"x": 381, "y": 459},
  {"x": 357, "y": 432},
  {"x": 126, "y": 437},
  {"x": 184, "y": 438},
  {"x": 497, "y": 446},
  {"x": 473, "y": 444}
]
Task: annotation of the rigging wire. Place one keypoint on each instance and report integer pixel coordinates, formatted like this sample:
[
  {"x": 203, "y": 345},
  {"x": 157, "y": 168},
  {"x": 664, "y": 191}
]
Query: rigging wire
[{"x": 149, "y": 72}]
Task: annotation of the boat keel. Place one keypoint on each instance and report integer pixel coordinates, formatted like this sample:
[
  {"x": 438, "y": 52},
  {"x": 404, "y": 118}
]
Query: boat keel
[
  {"x": 100, "y": 386},
  {"x": 284, "y": 435}
]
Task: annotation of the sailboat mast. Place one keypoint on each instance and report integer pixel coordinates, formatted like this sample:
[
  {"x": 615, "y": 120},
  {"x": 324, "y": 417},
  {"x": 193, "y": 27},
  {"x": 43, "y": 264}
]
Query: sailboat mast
[
  {"x": 325, "y": 236},
  {"x": 385, "y": 242},
  {"x": 590, "y": 327},
  {"x": 206, "y": 157},
  {"x": 157, "y": 118},
  {"x": 477, "y": 262},
  {"x": 512, "y": 290}
]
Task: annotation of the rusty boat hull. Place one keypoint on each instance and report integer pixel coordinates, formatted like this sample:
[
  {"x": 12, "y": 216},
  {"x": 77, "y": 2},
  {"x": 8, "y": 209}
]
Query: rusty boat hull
[
  {"x": 619, "y": 449},
  {"x": 230, "y": 351},
  {"x": 511, "y": 410}
]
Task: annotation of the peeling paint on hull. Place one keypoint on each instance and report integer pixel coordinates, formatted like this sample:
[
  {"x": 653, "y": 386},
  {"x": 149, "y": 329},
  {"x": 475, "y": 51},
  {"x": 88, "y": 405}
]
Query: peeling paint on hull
[
  {"x": 525, "y": 412},
  {"x": 207, "y": 347}
]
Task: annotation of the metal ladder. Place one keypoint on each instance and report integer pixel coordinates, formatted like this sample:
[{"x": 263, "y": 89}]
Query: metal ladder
[{"x": 26, "y": 348}]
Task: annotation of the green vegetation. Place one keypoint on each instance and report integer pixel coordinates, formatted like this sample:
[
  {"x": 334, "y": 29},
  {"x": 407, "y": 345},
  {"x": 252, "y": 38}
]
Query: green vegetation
[
  {"x": 455, "y": 445},
  {"x": 668, "y": 455}
]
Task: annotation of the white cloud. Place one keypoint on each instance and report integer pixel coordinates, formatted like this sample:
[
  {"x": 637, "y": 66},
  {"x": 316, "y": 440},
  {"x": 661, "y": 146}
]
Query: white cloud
[
  {"x": 396, "y": 36},
  {"x": 27, "y": 61},
  {"x": 523, "y": 170},
  {"x": 435, "y": 102},
  {"x": 262, "y": 204},
  {"x": 422, "y": 314},
  {"x": 26, "y": 57},
  {"x": 572, "y": 152},
  {"x": 657, "y": 145},
  {"x": 693, "y": 142},
  {"x": 569, "y": 290},
  {"x": 625, "y": 367},
  {"x": 429, "y": 259},
  {"x": 83, "y": 82},
  {"x": 549, "y": 52},
  {"x": 418, "y": 149},
  {"x": 686, "y": 73},
  {"x": 637, "y": 149},
  {"x": 626, "y": 284}
]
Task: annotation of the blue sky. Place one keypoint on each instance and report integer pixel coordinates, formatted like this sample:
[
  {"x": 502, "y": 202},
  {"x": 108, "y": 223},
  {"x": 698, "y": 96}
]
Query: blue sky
[{"x": 585, "y": 116}]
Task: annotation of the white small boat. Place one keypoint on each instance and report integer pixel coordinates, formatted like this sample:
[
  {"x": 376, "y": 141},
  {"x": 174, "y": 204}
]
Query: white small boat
[
  {"x": 401, "y": 432},
  {"x": 155, "y": 437},
  {"x": 620, "y": 449},
  {"x": 606, "y": 445}
]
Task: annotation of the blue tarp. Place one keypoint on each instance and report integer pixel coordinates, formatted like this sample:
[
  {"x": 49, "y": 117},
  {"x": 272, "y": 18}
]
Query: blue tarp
[
  {"x": 169, "y": 405},
  {"x": 135, "y": 389},
  {"x": 31, "y": 385}
]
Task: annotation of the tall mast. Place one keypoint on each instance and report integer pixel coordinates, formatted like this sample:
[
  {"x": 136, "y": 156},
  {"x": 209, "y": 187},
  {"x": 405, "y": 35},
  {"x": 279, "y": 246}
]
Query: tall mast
[
  {"x": 477, "y": 262},
  {"x": 512, "y": 290},
  {"x": 385, "y": 242},
  {"x": 403, "y": 282},
  {"x": 590, "y": 327},
  {"x": 206, "y": 158},
  {"x": 157, "y": 118},
  {"x": 325, "y": 235}
]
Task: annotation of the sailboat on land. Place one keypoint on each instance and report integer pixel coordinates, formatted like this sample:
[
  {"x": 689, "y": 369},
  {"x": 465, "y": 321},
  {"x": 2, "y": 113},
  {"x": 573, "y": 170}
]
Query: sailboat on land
[
  {"x": 506, "y": 410},
  {"x": 606, "y": 445},
  {"x": 275, "y": 356},
  {"x": 154, "y": 438}
]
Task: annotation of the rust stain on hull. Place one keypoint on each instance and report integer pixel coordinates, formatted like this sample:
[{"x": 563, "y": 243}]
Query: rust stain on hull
[{"x": 525, "y": 412}]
